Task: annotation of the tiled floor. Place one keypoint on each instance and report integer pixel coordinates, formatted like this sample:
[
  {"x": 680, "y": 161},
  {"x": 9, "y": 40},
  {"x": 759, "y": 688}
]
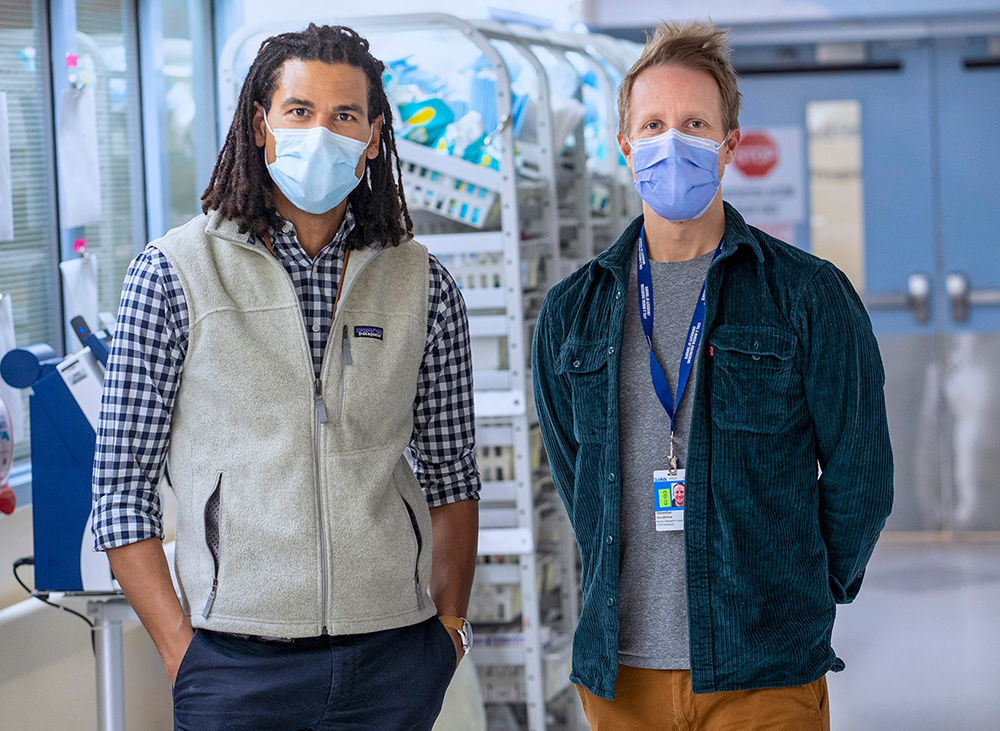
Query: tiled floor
[{"x": 921, "y": 642}]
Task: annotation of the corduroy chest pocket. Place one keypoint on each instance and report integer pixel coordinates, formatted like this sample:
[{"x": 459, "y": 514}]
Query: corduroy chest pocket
[
  {"x": 752, "y": 367},
  {"x": 585, "y": 365}
]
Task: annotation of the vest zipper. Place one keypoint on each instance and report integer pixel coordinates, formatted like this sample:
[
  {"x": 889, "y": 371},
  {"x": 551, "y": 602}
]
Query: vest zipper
[
  {"x": 317, "y": 441},
  {"x": 420, "y": 547},
  {"x": 324, "y": 560},
  {"x": 320, "y": 418},
  {"x": 320, "y": 406}
]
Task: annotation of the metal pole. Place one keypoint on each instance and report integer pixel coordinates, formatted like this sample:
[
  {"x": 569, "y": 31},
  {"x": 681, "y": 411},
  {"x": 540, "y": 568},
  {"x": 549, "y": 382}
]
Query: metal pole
[{"x": 109, "y": 649}]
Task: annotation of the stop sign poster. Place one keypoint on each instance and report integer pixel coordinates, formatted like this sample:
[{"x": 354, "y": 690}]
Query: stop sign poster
[{"x": 765, "y": 181}]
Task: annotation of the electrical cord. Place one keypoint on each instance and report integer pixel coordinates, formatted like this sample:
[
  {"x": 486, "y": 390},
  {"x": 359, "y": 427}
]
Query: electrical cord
[{"x": 43, "y": 597}]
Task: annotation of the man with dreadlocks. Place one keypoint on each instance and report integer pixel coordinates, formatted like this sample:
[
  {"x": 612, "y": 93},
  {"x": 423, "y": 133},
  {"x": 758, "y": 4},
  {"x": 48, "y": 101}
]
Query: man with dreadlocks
[{"x": 282, "y": 352}]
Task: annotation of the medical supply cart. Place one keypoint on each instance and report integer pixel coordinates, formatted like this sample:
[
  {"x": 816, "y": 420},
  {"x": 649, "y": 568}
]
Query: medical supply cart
[{"x": 512, "y": 175}]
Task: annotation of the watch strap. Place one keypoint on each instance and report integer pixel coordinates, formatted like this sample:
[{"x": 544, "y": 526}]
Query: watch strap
[
  {"x": 450, "y": 622},
  {"x": 460, "y": 625}
]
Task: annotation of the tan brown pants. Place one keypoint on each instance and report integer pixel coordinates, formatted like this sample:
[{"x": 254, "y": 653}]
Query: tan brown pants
[{"x": 661, "y": 700}]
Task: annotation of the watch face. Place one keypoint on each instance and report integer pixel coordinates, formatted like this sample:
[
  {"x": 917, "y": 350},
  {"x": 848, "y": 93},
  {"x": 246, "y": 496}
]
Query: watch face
[{"x": 466, "y": 633}]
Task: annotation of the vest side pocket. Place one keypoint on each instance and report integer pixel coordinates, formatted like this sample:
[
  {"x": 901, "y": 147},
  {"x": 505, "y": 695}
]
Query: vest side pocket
[
  {"x": 420, "y": 545},
  {"x": 213, "y": 518}
]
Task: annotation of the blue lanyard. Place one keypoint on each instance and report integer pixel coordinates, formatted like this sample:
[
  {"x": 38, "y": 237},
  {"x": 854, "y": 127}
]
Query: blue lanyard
[{"x": 660, "y": 384}]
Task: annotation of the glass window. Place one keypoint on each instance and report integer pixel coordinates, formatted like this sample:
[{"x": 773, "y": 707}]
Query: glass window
[
  {"x": 185, "y": 201},
  {"x": 186, "y": 98},
  {"x": 28, "y": 262},
  {"x": 120, "y": 234},
  {"x": 103, "y": 34},
  {"x": 835, "y": 188}
]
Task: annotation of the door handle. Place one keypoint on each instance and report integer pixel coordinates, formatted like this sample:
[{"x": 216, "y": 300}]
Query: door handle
[
  {"x": 916, "y": 298},
  {"x": 963, "y": 297}
]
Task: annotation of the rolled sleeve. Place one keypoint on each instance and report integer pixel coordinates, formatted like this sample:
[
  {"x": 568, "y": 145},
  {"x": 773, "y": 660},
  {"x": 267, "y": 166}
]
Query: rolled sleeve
[
  {"x": 140, "y": 385},
  {"x": 443, "y": 445}
]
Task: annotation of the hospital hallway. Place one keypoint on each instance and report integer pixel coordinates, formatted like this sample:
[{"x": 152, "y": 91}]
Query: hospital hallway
[{"x": 922, "y": 639}]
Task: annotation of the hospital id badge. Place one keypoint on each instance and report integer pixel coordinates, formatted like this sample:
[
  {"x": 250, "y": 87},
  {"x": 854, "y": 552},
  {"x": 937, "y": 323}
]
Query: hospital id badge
[{"x": 668, "y": 489}]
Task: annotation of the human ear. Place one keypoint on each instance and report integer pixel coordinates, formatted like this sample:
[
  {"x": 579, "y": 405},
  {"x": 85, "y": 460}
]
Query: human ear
[
  {"x": 259, "y": 130},
  {"x": 732, "y": 142},
  {"x": 371, "y": 152},
  {"x": 626, "y": 147}
]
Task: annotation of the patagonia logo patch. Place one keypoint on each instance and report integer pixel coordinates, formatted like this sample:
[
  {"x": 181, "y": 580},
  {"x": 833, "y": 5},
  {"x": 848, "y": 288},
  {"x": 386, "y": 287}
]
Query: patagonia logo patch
[{"x": 363, "y": 331}]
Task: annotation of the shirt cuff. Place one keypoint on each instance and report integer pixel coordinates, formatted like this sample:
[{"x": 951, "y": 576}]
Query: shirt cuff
[{"x": 123, "y": 517}]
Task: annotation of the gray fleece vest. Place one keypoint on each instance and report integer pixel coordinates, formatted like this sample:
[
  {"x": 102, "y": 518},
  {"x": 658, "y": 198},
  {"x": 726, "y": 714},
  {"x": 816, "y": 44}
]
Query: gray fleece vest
[{"x": 322, "y": 526}]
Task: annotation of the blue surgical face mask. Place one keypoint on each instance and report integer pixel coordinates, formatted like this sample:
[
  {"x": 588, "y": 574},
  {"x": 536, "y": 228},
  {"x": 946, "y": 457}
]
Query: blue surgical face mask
[
  {"x": 677, "y": 175},
  {"x": 314, "y": 167}
]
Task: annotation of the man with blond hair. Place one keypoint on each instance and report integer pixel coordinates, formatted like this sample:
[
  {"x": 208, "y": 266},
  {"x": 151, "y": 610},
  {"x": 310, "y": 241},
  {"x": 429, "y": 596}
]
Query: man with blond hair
[{"x": 702, "y": 351}]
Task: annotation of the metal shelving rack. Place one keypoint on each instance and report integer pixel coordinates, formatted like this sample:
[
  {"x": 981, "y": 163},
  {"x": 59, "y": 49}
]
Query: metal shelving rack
[{"x": 504, "y": 267}]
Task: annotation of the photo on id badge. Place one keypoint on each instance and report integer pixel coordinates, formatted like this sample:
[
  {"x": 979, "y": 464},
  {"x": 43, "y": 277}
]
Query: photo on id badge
[{"x": 668, "y": 489}]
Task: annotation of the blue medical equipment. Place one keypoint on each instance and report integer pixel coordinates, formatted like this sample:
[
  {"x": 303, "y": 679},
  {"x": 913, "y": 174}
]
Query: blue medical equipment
[{"x": 64, "y": 404}]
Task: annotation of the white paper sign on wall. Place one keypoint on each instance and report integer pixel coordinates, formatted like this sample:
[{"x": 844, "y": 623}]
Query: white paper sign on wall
[
  {"x": 78, "y": 163},
  {"x": 766, "y": 180}
]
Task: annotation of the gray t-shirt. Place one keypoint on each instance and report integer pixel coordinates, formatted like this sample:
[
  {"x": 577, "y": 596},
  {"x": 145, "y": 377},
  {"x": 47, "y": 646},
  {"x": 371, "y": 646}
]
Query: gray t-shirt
[{"x": 652, "y": 589}]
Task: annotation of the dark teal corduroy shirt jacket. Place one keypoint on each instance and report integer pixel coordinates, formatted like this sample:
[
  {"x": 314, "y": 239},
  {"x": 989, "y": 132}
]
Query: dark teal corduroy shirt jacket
[{"x": 790, "y": 381}]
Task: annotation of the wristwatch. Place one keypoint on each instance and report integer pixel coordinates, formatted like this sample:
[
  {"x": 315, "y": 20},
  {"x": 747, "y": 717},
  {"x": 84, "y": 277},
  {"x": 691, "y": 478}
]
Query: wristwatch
[{"x": 460, "y": 625}]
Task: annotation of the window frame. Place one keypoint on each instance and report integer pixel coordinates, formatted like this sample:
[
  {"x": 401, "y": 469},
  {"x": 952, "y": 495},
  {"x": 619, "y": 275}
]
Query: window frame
[{"x": 56, "y": 24}]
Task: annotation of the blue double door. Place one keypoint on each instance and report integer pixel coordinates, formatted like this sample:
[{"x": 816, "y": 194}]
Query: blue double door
[{"x": 918, "y": 223}]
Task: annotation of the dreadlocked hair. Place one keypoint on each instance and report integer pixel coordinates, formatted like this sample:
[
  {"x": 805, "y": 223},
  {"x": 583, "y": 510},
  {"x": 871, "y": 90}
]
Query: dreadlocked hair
[{"x": 240, "y": 188}]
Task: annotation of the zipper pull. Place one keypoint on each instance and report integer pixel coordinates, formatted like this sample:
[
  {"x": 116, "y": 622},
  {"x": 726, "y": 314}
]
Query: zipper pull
[
  {"x": 420, "y": 592},
  {"x": 211, "y": 598},
  {"x": 320, "y": 406},
  {"x": 345, "y": 345}
]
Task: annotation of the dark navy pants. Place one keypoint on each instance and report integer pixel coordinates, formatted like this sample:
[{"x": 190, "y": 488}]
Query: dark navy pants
[{"x": 390, "y": 681}]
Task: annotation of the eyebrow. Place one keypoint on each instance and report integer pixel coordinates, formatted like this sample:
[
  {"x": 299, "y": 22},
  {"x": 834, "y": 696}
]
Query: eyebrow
[
  {"x": 690, "y": 114},
  {"x": 293, "y": 101},
  {"x": 350, "y": 108}
]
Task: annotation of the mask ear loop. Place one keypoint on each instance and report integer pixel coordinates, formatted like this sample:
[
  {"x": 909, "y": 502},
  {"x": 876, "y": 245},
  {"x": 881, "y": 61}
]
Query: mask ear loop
[
  {"x": 264, "y": 146},
  {"x": 267, "y": 237},
  {"x": 365, "y": 173},
  {"x": 631, "y": 144}
]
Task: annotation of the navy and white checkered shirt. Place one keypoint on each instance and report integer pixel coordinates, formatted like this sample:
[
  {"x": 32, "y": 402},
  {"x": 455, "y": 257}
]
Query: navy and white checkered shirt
[{"x": 147, "y": 357}]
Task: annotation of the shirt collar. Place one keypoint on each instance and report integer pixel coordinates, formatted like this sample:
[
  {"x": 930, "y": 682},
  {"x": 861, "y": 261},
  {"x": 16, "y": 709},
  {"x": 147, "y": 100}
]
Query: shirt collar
[
  {"x": 617, "y": 258},
  {"x": 287, "y": 241}
]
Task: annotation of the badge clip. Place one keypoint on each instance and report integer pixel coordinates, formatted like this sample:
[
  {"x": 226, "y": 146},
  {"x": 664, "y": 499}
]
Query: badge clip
[{"x": 672, "y": 461}]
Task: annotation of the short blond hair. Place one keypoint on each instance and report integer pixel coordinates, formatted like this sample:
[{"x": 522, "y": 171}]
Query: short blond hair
[{"x": 696, "y": 45}]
